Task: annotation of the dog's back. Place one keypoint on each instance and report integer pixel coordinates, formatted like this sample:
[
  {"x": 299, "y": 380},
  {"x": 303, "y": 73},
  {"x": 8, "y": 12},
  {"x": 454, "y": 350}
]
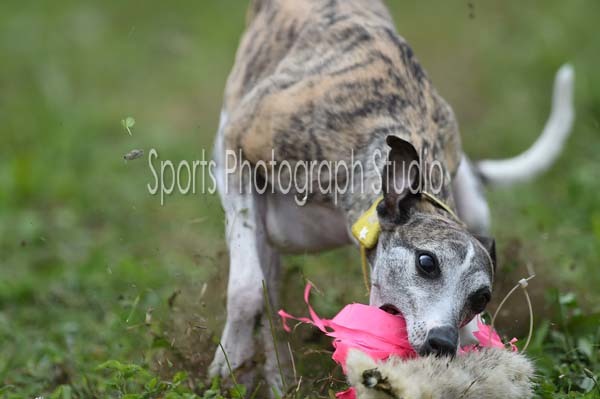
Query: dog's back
[
  {"x": 316, "y": 80},
  {"x": 277, "y": 26}
]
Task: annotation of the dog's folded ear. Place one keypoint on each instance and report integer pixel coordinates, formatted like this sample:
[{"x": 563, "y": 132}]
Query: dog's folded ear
[
  {"x": 400, "y": 179},
  {"x": 490, "y": 246}
]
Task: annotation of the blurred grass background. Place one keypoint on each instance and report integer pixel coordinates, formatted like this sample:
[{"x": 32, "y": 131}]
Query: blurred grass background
[{"x": 92, "y": 268}]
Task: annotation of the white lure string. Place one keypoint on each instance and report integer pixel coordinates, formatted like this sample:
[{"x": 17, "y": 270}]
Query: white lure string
[{"x": 523, "y": 283}]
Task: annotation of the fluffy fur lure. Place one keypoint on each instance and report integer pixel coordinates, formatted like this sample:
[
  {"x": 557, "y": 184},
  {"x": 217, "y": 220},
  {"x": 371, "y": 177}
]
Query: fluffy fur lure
[
  {"x": 364, "y": 335},
  {"x": 489, "y": 373}
]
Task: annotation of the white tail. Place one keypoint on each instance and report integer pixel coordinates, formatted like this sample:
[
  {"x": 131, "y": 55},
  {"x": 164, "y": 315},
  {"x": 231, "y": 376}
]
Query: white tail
[{"x": 540, "y": 156}]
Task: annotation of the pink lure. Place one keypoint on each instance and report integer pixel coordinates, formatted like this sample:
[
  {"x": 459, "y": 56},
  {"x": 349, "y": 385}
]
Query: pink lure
[{"x": 376, "y": 333}]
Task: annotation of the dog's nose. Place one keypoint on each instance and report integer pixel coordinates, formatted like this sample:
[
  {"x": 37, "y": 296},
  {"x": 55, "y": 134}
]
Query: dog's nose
[{"x": 441, "y": 341}]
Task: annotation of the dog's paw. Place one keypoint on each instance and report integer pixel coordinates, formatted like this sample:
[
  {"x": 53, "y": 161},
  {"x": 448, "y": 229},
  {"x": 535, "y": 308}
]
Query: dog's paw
[
  {"x": 218, "y": 367},
  {"x": 245, "y": 372},
  {"x": 238, "y": 357},
  {"x": 239, "y": 342},
  {"x": 237, "y": 347}
]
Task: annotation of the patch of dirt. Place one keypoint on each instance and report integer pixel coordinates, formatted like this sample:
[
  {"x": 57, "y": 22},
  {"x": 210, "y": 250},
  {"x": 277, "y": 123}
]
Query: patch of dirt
[
  {"x": 190, "y": 332},
  {"x": 517, "y": 261}
]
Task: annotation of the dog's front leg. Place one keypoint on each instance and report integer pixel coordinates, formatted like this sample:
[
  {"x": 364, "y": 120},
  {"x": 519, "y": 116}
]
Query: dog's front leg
[
  {"x": 244, "y": 289},
  {"x": 251, "y": 261}
]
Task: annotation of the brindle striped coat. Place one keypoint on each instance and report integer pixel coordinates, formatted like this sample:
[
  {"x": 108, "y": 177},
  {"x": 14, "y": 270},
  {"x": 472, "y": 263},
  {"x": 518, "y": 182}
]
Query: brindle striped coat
[{"x": 317, "y": 80}]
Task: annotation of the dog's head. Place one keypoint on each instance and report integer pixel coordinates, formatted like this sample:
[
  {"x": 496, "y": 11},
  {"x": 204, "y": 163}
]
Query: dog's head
[{"x": 426, "y": 266}]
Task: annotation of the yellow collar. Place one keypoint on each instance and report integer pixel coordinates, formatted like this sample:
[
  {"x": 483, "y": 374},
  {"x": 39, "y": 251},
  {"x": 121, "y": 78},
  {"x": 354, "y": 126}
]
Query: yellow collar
[{"x": 366, "y": 229}]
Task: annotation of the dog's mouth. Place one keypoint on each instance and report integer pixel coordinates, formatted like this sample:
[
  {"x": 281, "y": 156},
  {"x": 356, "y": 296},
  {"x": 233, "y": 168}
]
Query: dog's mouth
[{"x": 389, "y": 308}]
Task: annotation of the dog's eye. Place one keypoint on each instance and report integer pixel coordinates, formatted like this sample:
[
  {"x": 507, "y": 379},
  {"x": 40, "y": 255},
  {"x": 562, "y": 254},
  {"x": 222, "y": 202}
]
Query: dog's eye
[
  {"x": 480, "y": 299},
  {"x": 427, "y": 265}
]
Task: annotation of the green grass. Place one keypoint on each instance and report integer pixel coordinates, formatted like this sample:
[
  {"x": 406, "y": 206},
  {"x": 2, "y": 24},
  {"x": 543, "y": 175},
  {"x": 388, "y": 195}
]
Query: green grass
[{"x": 100, "y": 285}]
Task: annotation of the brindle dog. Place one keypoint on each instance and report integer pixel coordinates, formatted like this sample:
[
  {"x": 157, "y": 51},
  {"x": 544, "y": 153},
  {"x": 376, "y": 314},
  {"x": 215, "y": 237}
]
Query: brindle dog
[{"x": 331, "y": 80}]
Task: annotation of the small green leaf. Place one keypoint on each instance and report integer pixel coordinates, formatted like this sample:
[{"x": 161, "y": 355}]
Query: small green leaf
[
  {"x": 128, "y": 123},
  {"x": 215, "y": 384},
  {"x": 62, "y": 392},
  {"x": 153, "y": 383},
  {"x": 110, "y": 365},
  {"x": 238, "y": 391},
  {"x": 179, "y": 377}
]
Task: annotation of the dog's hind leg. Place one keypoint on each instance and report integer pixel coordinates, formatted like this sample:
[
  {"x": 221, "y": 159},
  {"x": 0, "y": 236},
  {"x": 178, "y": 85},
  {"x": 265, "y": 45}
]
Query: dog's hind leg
[{"x": 470, "y": 199}]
